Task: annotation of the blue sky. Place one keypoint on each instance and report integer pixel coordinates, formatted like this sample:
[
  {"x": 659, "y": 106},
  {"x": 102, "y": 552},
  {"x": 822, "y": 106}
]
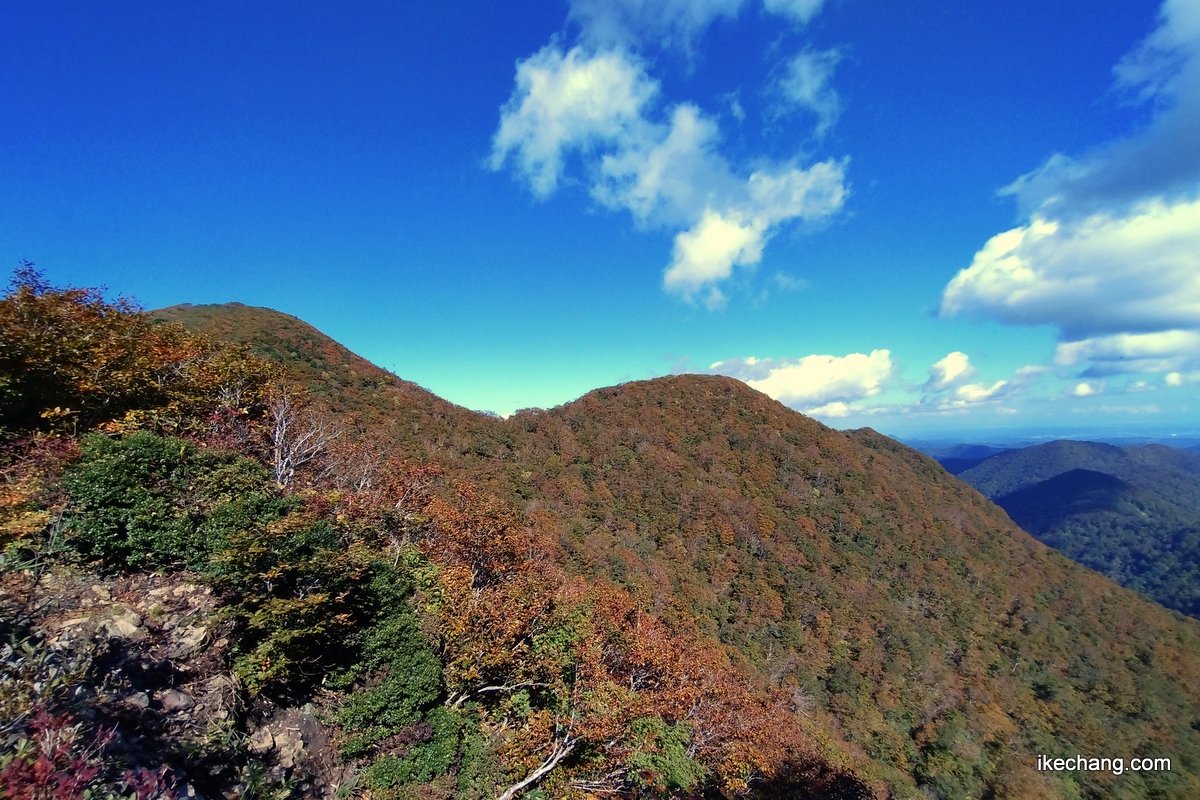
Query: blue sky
[{"x": 918, "y": 216}]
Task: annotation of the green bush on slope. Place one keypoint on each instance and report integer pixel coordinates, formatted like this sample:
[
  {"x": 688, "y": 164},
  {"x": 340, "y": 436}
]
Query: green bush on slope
[{"x": 150, "y": 502}]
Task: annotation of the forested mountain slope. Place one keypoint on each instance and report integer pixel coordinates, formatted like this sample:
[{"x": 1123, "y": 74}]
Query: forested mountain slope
[
  {"x": 899, "y": 607},
  {"x": 413, "y": 420},
  {"x": 1132, "y": 513},
  {"x": 1172, "y": 471},
  {"x": 213, "y": 584}
]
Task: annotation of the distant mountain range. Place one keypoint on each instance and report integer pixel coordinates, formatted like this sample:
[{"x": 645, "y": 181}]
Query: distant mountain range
[{"x": 1132, "y": 513}]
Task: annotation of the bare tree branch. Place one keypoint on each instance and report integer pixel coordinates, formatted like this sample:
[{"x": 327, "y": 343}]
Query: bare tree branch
[
  {"x": 298, "y": 434},
  {"x": 561, "y": 750}
]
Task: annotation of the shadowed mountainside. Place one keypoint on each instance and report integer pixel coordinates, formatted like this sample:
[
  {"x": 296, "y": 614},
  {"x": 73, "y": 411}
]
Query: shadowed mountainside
[
  {"x": 1132, "y": 513},
  {"x": 1044, "y": 505},
  {"x": 1167, "y": 469}
]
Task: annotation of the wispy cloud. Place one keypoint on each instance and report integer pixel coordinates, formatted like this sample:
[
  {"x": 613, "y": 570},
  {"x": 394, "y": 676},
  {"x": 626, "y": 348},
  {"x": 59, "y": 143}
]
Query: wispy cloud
[
  {"x": 805, "y": 83},
  {"x": 1162, "y": 159},
  {"x": 628, "y": 23},
  {"x": 1165, "y": 351},
  {"x": 798, "y": 10}
]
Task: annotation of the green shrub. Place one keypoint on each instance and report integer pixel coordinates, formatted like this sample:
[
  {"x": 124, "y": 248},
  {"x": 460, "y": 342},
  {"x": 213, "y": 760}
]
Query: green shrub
[
  {"x": 297, "y": 593},
  {"x": 405, "y": 680},
  {"x": 150, "y": 501},
  {"x": 661, "y": 762},
  {"x": 425, "y": 761}
]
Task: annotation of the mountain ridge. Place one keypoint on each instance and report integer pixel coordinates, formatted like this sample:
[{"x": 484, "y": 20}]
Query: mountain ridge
[
  {"x": 853, "y": 570},
  {"x": 1132, "y": 513}
]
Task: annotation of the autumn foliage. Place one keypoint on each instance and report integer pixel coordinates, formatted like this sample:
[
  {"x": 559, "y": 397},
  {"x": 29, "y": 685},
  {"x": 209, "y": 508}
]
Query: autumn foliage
[
  {"x": 674, "y": 588},
  {"x": 461, "y": 655},
  {"x": 70, "y": 360}
]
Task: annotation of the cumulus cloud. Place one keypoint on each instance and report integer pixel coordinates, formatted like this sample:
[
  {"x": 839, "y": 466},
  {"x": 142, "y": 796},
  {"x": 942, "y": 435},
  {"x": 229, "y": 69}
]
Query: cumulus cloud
[
  {"x": 708, "y": 252},
  {"x": 951, "y": 371},
  {"x": 1132, "y": 352},
  {"x": 1103, "y": 274},
  {"x": 1110, "y": 254},
  {"x": 834, "y": 410},
  {"x": 599, "y": 107},
  {"x": 806, "y": 84},
  {"x": 822, "y": 385},
  {"x": 720, "y": 240},
  {"x": 569, "y": 101},
  {"x": 951, "y": 386},
  {"x": 1181, "y": 378},
  {"x": 1088, "y": 388},
  {"x": 667, "y": 174}
]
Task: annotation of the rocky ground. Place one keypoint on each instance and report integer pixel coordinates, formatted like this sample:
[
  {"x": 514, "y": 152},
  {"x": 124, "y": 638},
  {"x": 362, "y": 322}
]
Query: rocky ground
[{"x": 138, "y": 665}]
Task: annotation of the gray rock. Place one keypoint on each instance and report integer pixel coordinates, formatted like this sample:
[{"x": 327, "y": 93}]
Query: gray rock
[
  {"x": 192, "y": 639},
  {"x": 125, "y": 625},
  {"x": 173, "y": 701},
  {"x": 261, "y": 741}
]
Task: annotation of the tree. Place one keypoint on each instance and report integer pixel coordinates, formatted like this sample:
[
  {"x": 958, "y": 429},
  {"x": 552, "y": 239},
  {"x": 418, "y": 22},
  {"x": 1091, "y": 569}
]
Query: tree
[
  {"x": 299, "y": 431},
  {"x": 71, "y": 360}
]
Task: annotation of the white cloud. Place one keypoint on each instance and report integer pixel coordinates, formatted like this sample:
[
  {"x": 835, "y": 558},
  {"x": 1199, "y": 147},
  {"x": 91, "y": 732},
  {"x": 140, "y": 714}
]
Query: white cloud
[
  {"x": 708, "y": 252},
  {"x": 569, "y": 101},
  {"x": 834, "y": 410},
  {"x": 806, "y": 84},
  {"x": 720, "y": 240},
  {"x": 667, "y": 23},
  {"x": 951, "y": 371},
  {"x": 1110, "y": 254},
  {"x": 628, "y": 23},
  {"x": 799, "y": 10},
  {"x": 1088, "y": 388},
  {"x": 816, "y": 381},
  {"x": 1103, "y": 274},
  {"x": 667, "y": 174},
  {"x": 978, "y": 392},
  {"x": 1175, "y": 379},
  {"x": 598, "y": 107},
  {"x": 950, "y": 387},
  {"x": 1164, "y": 351},
  {"x": 785, "y": 191},
  {"x": 715, "y": 300},
  {"x": 789, "y": 283}
]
